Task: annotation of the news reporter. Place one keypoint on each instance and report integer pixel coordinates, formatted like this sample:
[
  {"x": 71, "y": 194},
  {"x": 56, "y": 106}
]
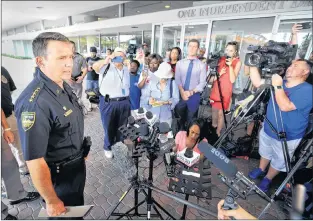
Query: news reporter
[
  {"x": 238, "y": 213},
  {"x": 191, "y": 137},
  {"x": 228, "y": 69},
  {"x": 293, "y": 97}
]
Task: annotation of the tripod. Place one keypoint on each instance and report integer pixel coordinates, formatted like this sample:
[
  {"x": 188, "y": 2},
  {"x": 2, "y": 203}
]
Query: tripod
[
  {"x": 281, "y": 135},
  {"x": 305, "y": 155},
  {"x": 137, "y": 185},
  {"x": 212, "y": 74}
]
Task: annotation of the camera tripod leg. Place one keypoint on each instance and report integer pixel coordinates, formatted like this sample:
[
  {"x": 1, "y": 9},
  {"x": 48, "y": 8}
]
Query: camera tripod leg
[
  {"x": 121, "y": 215},
  {"x": 183, "y": 216},
  {"x": 304, "y": 158},
  {"x": 166, "y": 212},
  {"x": 120, "y": 200}
]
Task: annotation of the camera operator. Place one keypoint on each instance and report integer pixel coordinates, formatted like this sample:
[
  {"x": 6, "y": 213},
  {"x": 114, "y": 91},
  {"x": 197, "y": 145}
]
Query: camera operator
[{"x": 293, "y": 97}]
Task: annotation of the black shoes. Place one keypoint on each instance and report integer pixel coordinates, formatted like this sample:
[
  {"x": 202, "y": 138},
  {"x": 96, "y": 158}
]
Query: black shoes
[
  {"x": 10, "y": 217},
  {"x": 31, "y": 196}
]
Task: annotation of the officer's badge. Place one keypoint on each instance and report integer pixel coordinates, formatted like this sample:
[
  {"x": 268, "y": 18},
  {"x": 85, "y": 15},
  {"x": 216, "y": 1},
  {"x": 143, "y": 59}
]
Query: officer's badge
[
  {"x": 28, "y": 120},
  {"x": 4, "y": 80}
]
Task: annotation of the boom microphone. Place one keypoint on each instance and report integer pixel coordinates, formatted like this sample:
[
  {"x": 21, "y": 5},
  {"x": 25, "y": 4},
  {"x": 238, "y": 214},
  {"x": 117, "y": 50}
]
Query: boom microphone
[
  {"x": 218, "y": 159},
  {"x": 123, "y": 160}
]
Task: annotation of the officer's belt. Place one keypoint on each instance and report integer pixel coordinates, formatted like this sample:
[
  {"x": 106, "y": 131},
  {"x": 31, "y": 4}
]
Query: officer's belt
[
  {"x": 57, "y": 166},
  {"x": 119, "y": 98}
]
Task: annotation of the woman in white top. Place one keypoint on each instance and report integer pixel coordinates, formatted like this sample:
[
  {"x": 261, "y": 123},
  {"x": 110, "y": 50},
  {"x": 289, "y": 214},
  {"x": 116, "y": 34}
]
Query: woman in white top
[
  {"x": 147, "y": 76},
  {"x": 163, "y": 93}
]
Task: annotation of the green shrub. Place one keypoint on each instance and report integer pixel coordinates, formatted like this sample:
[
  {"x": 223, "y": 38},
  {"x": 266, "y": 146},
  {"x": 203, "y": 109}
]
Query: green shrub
[{"x": 17, "y": 57}]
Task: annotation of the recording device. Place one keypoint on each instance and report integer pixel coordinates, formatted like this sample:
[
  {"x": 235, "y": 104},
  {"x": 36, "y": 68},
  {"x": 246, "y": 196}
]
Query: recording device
[
  {"x": 140, "y": 113},
  {"x": 212, "y": 61},
  {"x": 188, "y": 157},
  {"x": 150, "y": 118},
  {"x": 240, "y": 186},
  {"x": 273, "y": 57},
  {"x": 132, "y": 48},
  {"x": 305, "y": 25}
]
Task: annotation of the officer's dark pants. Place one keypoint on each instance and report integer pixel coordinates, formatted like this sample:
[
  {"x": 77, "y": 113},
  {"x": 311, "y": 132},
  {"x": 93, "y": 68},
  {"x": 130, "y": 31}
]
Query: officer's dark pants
[
  {"x": 113, "y": 115},
  {"x": 69, "y": 184},
  {"x": 187, "y": 110}
]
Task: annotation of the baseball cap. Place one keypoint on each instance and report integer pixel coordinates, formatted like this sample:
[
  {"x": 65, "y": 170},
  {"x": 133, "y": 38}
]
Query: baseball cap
[{"x": 93, "y": 49}]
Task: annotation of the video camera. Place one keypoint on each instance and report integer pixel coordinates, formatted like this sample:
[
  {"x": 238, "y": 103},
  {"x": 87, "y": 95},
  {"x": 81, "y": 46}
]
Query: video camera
[{"x": 272, "y": 58}]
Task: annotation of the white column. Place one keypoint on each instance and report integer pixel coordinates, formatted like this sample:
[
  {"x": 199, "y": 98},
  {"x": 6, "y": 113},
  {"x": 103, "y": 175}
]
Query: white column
[
  {"x": 42, "y": 25},
  {"x": 69, "y": 21},
  {"x": 121, "y": 10}
]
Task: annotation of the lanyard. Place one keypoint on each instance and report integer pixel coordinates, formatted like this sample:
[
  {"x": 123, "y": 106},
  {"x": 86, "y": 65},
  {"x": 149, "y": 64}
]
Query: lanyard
[{"x": 121, "y": 78}]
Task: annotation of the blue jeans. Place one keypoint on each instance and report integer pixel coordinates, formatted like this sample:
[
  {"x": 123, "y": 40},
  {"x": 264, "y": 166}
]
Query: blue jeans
[{"x": 91, "y": 84}]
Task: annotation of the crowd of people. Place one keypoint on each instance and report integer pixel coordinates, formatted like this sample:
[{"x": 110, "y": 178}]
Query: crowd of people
[{"x": 50, "y": 118}]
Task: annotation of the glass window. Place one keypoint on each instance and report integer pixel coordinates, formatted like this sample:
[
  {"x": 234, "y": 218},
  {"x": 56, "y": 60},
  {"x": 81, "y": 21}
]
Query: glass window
[
  {"x": 156, "y": 39},
  {"x": 82, "y": 45},
  {"x": 198, "y": 32},
  {"x": 243, "y": 31},
  {"x": 171, "y": 38},
  {"x": 108, "y": 42},
  {"x": 147, "y": 35},
  {"x": 304, "y": 36},
  {"x": 92, "y": 41},
  {"x": 75, "y": 39},
  {"x": 49, "y": 24}
]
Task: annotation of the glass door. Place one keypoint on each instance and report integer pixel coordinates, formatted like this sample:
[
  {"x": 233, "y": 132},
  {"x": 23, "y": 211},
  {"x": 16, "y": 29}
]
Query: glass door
[
  {"x": 171, "y": 37},
  {"x": 195, "y": 31},
  {"x": 243, "y": 31},
  {"x": 304, "y": 36}
]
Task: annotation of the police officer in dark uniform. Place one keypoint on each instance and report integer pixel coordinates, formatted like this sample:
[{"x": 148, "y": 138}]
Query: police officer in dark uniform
[{"x": 51, "y": 126}]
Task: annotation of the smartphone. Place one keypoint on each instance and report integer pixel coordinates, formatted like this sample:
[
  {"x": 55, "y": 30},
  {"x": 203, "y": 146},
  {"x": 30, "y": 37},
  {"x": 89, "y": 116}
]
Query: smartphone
[{"x": 305, "y": 25}]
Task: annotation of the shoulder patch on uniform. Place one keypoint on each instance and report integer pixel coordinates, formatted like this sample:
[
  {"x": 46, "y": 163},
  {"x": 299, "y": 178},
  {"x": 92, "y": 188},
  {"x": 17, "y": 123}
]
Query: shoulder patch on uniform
[
  {"x": 35, "y": 92},
  {"x": 28, "y": 120},
  {"x": 3, "y": 79}
]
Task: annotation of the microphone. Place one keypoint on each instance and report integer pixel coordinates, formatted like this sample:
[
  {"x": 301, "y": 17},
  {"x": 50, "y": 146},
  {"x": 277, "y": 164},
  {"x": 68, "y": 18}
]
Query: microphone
[
  {"x": 298, "y": 202},
  {"x": 150, "y": 118},
  {"x": 131, "y": 120},
  {"x": 140, "y": 113},
  {"x": 123, "y": 160},
  {"x": 164, "y": 128},
  {"x": 188, "y": 157},
  {"x": 218, "y": 159}
]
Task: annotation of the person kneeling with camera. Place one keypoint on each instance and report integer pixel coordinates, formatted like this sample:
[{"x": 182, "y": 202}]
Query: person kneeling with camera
[{"x": 293, "y": 97}]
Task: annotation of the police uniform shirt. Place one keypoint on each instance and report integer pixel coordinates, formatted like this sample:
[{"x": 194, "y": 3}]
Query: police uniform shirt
[
  {"x": 79, "y": 63},
  {"x": 7, "y": 86},
  {"x": 50, "y": 120},
  {"x": 116, "y": 82}
]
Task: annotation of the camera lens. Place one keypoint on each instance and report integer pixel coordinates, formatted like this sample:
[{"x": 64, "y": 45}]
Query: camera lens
[{"x": 254, "y": 59}]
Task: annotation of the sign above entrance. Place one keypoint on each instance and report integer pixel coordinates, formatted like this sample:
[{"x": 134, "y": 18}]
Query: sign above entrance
[{"x": 242, "y": 8}]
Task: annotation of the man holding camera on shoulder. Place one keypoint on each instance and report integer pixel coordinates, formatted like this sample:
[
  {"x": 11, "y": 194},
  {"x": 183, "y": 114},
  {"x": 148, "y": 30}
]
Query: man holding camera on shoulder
[{"x": 293, "y": 97}]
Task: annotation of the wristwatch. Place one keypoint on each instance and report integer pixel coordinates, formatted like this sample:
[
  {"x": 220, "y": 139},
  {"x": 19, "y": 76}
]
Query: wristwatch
[{"x": 278, "y": 87}]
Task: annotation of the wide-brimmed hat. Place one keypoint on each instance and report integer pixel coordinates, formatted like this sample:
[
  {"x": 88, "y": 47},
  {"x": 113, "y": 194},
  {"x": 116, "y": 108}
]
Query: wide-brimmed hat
[{"x": 164, "y": 71}]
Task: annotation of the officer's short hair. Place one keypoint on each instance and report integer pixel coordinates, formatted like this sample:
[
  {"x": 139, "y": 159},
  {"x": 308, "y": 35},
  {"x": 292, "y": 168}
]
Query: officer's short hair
[{"x": 40, "y": 43}]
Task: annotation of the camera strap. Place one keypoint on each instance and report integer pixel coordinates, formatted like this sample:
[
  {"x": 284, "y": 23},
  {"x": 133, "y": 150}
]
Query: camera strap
[{"x": 104, "y": 74}]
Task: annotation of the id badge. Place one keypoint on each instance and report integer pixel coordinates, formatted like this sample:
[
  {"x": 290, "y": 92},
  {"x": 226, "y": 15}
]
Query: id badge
[{"x": 123, "y": 91}]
